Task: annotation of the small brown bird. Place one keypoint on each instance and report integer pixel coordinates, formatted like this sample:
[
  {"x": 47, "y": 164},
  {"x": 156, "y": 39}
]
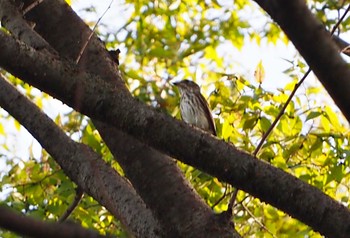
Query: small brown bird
[{"x": 193, "y": 106}]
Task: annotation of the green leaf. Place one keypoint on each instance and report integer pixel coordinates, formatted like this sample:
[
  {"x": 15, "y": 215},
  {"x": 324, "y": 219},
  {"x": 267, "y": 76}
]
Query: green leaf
[
  {"x": 325, "y": 123},
  {"x": 312, "y": 115},
  {"x": 264, "y": 123},
  {"x": 249, "y": 123},
  {"x": 161, "y": 53},
  {"x": 333, "y": 118},
  {"x": 336, "y": 173}
]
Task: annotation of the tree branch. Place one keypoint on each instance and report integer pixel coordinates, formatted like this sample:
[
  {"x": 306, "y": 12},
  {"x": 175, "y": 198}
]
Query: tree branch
[
  {"x": 68, "y": 38},
  {"x": 13, "y": 20},
  {"x": 81, "y": 164},
  {"x": 102, "y": 102},
  {"x": 33, "y": 228}
]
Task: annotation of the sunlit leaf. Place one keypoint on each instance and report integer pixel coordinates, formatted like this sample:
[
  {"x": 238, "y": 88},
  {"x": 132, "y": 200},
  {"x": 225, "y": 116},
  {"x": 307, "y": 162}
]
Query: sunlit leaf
[
  {"x": 325, "y": 124},
  {"x": 264, "y": 123},
  {"x": 249, "y": 122},
  {"x": 312, "y": 115},
  {"x": 259, "y": 73}
]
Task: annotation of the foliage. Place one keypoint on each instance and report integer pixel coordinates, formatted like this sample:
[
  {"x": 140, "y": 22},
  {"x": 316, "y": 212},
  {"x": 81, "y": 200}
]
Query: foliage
[{"x": 163, "y": 40}]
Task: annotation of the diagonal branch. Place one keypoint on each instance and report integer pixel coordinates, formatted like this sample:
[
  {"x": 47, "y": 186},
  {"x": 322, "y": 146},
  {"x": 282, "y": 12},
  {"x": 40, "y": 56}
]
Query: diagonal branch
[
  {"x": 13, "y": 20},
  {"x": 102, "y": 102},
  {"x": 154, "y": 175},
  {"x": 81, "y": 164},
  {"x": 30, "y": 227}
]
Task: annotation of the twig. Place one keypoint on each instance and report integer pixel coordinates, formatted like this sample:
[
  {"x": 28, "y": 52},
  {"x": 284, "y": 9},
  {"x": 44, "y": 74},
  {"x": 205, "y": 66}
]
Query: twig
[
  {"x": 221, "y": 198},
  {"x": 232, "y": 201},
  {"x": 78, "y": 196},
  {"x": 257, "y": 221},
  {"x": 91, "y": 34},
  {"x": 31, "y": 6},
  {"x": 280, "y": 114},
  {"x": 340, "y": 20},
  {"x": 293, "y": 92}
]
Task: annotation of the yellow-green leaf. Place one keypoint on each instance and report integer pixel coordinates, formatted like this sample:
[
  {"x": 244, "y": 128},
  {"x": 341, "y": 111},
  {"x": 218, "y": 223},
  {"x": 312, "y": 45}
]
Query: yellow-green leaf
[{"x": 259, "y": 73}]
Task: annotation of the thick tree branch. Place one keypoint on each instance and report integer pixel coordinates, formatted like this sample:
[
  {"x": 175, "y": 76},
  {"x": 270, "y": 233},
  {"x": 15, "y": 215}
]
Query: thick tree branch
[
  {"x": 315, "y": 45},
  {"x": 198, "y": 221},
  {"x": 13, "y": 20},
  {"x": 100, "y": 101},
  {"x": 30, "y": 227},
  {"x": 81, "y": 164},
  {"x": 154, "y": 175}
]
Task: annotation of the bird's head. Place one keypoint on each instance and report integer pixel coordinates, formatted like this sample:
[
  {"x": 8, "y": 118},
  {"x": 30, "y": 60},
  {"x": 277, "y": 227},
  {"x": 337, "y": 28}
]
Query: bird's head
[{"x": 187, "y": 85}]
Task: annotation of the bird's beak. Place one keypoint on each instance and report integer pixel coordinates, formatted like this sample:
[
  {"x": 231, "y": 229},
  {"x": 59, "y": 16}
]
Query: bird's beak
[{"x": 176, "y": 83}]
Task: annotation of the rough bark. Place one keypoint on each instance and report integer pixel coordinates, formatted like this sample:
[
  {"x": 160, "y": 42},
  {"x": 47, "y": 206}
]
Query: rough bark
[
  {"x": 30, "y": 227},
  {"x": 12, "y": 20},
  {"x": 176, "y": 219},
  {"x": 82, "y": 164},
  {"x": 193, "y": 147}
]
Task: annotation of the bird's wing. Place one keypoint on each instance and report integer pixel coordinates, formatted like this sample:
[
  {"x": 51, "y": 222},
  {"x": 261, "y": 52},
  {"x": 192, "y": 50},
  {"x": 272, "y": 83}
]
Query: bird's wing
[{"x": 207, "y": 111}]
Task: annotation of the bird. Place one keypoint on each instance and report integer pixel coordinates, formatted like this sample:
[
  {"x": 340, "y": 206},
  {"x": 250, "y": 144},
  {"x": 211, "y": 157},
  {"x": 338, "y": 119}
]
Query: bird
[{"x": 193, "y": 106}]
